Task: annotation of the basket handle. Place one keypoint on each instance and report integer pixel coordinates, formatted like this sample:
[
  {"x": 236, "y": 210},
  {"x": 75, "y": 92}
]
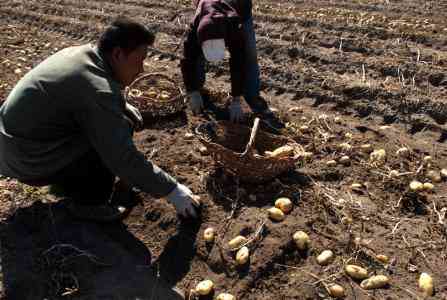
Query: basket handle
[{"x": 251, "y": 142}]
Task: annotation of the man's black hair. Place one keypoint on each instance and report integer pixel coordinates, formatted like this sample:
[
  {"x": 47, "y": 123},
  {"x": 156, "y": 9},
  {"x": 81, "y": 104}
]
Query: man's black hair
[{"x": 126, "y": 34}]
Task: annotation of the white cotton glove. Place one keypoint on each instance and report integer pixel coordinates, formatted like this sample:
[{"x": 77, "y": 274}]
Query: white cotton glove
[
  {"x": 184, "y": 201},
  {"x": 235, "y": 110},
  {"x": 195, "y": 102},
  {"x": 134, "y": 115}
]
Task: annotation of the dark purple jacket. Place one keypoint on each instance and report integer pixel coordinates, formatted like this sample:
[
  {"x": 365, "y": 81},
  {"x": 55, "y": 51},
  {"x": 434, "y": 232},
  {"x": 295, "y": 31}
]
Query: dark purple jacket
[{"x": 216, "y": 19}]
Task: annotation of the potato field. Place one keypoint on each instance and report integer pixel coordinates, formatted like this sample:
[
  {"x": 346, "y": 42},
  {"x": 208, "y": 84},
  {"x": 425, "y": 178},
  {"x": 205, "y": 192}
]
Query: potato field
[{"x": 361, "y": 86}]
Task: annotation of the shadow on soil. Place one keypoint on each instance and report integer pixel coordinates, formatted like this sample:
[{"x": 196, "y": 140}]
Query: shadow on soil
[{"x": 46, "y": 254}]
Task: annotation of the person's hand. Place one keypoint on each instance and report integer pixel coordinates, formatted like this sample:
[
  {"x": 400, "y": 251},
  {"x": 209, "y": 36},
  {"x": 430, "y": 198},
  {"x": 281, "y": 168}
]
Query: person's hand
[
  {"x": 195, "y": 102},
  {"x": 235, "y": 110},
  {"x": 185, "y": 202},
  {"x": 134, "y": 115}
]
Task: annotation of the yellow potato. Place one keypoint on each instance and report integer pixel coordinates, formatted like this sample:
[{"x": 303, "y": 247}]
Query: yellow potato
[
  {"x": 378, "y": 156},
  {"x": 375, "y": 282},
  {"x": 301, "y": 240},
  {"x": 151, "y": 94},
  {"x": 345, "y": 160},
  {"x": 325, "y": 257},
  {"x": 237, "y": 242},
  {"x": 356, "y": 186},
  {"x": 356, "y": 272},
  {"x": 428, "y": 186},
  {"x": 276, "y": 214},
  {"x": 331, "y": 163},
  {"x": 426, "y": 284},
  {"x": 394, "y": 173},
  {"x": 428, "y": 159},
  {"x": 204, "y": 287},
  {"x": 336, "y": 291},
  {"x": 242, "y": 256},
  {"x": 338, "y": 120},
  {"x": 284, "y": 204},
  {"x": 345, "y": 147},
  {"x": 383, "y": 258},
  {"x": 209, "y": 234},
  {"x": 135, "y": 93},
  {"x": 434, "y": 176},
  {"x": 225, "y": 296},
  {"x": 416, "y": 186},
  {"x": 280, "y": 152}
]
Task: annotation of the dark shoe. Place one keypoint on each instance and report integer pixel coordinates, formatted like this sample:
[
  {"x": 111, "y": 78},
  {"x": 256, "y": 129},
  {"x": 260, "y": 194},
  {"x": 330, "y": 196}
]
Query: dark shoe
[
  {"x": 98, "y": 213},
  {"x": 272, "y": 121}
]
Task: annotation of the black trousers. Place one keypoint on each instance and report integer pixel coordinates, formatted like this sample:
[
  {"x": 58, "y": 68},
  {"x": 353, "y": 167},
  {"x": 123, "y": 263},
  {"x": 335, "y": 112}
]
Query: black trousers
[{"x": 86, "y": 180}]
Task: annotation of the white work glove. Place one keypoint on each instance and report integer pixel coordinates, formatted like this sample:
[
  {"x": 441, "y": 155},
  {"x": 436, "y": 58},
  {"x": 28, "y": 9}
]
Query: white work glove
[
  {"x": 235, "y": 110},
  {"x": 184, "y": 201},
  {"x": 134, "y": 115},
  {"x": 195, "y": 102}
]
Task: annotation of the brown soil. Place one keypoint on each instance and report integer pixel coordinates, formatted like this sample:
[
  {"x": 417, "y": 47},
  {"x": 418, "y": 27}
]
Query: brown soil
[{"x": 372, "y": 63}]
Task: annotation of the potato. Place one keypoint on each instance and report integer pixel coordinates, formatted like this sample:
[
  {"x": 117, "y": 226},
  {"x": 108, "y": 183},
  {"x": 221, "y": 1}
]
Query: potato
[
  {"x": 428, "y": 186},
  {"x": 225, "y": 296},
  {"x": 331, "y": 163},
  {"x": 346, "y": 220},
  {"x": 276, "y": 214},
  {"x": 382, "y": 258},
  {"x": 416, "y": 186},
  {"x": 443, "y": 173},
  {"x": 204, "y": 287},
  {"x": 307, "y": 155},
  {"x": 336, "y": 291},
  {"x": 356, "y": 186},
  {"x": 356, "y": 272},
  {"x": 135, "y": 93},
  {"x": 301, "y": 240},
  {"x": 378, "y": 156},
  {"x": 189, "y": 136},
  {"x": 325, "y": 257},
  {"x": 164, "y": 95},
  {"x": 345, "y": 147},
  {"x": 284, "y": 204},
  {"x": 338, "y": 120},
  {"x": 428, "y": 159},
  {"x": 151, "y": 94},
  {"x": 280, "y": 152},
  {"x": 403, "y": 152},
  {"x": 304, "y": 128},
  {"x": 348, "y": 135},
  {"x": 375, "y": 282},
  {"x": 242, "y": 255},
  {"x": 426, "y": 284},
  {"x": 366, "y": 148},
  {"x": 345, "y": 160},
  {"x": 209, "y": 234},
  {"x": 434, "y": 176},
  {"x": 237, "y": 242},
  {"x": 394, "y": 173}
]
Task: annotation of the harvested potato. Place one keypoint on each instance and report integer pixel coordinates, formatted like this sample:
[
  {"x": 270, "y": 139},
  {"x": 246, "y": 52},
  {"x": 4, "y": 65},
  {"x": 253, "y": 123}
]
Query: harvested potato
[
  {"x": 151, "y": 94},
  {"x": 394, "y": 173},
  {"x": 276, "y": 214},
  {"x": 204, "y": 287},
  {"x": 135, "y": 93},
  {"x": 426, "y": 284},
  {"x": 209, "y": 234},
  {"x": 336, "y": 291},
  {"x": 356, "y": 272},
  {"x": 331, "y": 163},
  {"x": 189, "y": 136},
  {"x": 345, "y": 160},
  {"x": 416, "y": 186},
  {"x": 434, "y": 176},
  {"x": 284, "y": 151},
  {"x": 375, "y": 282},
  {"x": 225, "y": 296},
  {"x": 378, "y": 156},
  {"x": 237, "y": 242},
  {"x": 428, "y": 186},
  {"x": 403, "y": 152},
  {"x": 443, "y": 173},
  {"x": 301, "y": 240},
  {"x": 242, "y": 255},
  {"x": 356, "y": 186},
  {"x": 325, "y": 257},
  {"x": 348, "y": 135},
  {"x": 428, "y": 159},
  {"x": 383, "y": 258},
  {"x": 346, "y": 220},
  {"x": 284, "y": 204},
  {"x": 338, "y": 120}
]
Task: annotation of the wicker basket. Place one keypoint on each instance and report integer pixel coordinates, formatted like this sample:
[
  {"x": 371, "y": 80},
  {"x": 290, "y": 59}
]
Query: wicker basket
[
  {"x": 154, "y": 95},
  {"x": 227, "y": 144}
]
